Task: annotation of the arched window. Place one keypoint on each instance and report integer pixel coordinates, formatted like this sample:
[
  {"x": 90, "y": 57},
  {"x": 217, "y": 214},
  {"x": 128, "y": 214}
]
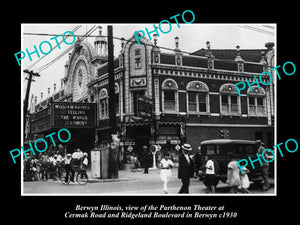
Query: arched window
[
  {"x": 256, "y": 101},
  {"x": 103, "y": 104},
  {"x": 169, "y": 96},
  {"x": 197, "y": 97},
  {"x": 137, "y": 58},
  {"x": 230, "y": 102}
]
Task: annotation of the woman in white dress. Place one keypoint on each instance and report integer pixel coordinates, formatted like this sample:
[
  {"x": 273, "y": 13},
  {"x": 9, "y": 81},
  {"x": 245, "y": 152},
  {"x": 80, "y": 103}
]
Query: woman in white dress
[
  {"x": 233, "y": 173},
  {"x": 166, "y": 165}
]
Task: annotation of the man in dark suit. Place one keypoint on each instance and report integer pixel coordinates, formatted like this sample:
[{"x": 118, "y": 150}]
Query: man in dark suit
[
  {"x": 185, "y": 168},
  {"x": 146, "y": 159}
]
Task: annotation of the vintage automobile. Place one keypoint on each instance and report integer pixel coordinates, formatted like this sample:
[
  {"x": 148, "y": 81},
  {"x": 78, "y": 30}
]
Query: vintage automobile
[{"x": 219, "y": 149}]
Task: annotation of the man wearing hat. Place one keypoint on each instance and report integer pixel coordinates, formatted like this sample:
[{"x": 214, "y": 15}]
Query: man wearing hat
[
  {"x": 69, "y": 168},
  {"x": 146, "y": 159},
  {"x": 185, "y": 168},
  {"x": 265, "y": 165}
]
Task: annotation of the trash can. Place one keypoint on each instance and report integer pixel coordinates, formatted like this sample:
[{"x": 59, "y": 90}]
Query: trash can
[{"x": 104, "y": 162}]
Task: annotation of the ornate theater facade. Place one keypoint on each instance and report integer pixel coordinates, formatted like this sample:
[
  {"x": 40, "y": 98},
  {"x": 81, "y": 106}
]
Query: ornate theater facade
[{"x": 189, "y": 97}]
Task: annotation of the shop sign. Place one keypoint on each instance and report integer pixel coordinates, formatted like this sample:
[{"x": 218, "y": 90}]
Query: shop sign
[
  {"x": 129, "y": 143},
  {"x": 177, "y": 147},
  {"x": 151, "y": 142},
  {"x": 174, "y": 142},
  {"x": 158, "y": 147},
  {"x": 143, "y": 106},
  {"x": 130, "y": 148},
  {"x": 161, "y": 142}
]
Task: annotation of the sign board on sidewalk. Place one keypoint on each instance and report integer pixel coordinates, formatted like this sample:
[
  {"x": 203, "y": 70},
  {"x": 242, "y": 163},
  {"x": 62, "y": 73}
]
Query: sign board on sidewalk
[{"x": 95, "y": 164}]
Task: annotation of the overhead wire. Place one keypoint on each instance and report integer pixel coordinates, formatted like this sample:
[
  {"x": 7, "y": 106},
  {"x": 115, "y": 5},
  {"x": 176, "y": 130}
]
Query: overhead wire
[
  {"x": 161, "y": 47},
  {"x": 32, "y": 65},
  {"x": 269, "y": 26},
  {"x": 65, "y": 51},
  {"x": 74, "y": 30},
  {"x": 88, "y": 34},
  {"x": 257, "y": 29}
]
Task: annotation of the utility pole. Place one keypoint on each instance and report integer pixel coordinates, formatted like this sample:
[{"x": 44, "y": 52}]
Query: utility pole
[
  {"x": 31, "y": 74},
  {"x": 111, "y": 81},
  {"x": 113, "y": 151}
]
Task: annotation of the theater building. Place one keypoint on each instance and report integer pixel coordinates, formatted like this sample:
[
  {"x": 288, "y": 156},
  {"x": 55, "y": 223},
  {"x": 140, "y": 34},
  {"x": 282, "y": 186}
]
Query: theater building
[{"x": 192, "y": 96}]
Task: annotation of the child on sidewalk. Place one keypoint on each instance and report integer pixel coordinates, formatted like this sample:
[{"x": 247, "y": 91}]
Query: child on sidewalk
[
  {"x": 245, "y": 183},
  {"x": 166, "y": 165}
]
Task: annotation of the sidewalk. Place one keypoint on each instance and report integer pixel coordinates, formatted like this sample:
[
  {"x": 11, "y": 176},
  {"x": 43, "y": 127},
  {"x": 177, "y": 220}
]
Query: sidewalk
[
  {"x": 153, "y": 178},
  {"x": 196, "y": 187},
  {"x": 128, "y": 175}
]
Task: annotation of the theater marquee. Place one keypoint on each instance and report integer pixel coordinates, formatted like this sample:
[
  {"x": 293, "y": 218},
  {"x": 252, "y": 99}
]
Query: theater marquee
[
  {"x": 64, "y": 115},
  {"x": 74, "y": 115}
]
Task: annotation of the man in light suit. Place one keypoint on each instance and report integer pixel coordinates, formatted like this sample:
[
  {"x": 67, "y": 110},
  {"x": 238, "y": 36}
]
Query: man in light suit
[{"x": 185, "y": 168}]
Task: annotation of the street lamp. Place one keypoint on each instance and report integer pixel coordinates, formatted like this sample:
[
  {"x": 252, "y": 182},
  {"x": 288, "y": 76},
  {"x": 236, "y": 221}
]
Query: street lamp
[
  {"x": 176, "y": 42},
  {"x": 238, "y": 49},
  {"x": 153, "y": 150},
  {"x": 208, "y": 45},
  {"x": 122, "y": 42},
  {"x": 100, "y": 30},
  {"x": 155, "y": 39}
]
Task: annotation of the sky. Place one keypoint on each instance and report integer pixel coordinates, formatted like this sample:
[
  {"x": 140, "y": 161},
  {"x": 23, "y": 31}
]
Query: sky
[{"x": 192, "y": 37}]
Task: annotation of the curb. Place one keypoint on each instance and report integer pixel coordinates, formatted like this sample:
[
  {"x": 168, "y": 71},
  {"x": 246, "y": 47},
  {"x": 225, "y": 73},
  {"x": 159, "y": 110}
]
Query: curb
[
  {"x": 100, "y": 180},
  {"x": 95, "y": 180}
]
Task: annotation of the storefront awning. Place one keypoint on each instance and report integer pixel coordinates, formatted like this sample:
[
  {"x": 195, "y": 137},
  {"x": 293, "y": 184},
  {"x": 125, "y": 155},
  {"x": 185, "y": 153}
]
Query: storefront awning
[
  {"x": 138, "y": 123},
  {"x": 170, "y": 122}
]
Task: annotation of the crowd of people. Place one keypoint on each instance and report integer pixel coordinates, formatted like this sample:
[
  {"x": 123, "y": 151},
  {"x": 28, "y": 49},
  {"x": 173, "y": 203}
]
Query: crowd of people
[
  {"x": 191, "y": 166},
  {"x": 209, "y": 167},
  {"x": 46, "y": 165}
]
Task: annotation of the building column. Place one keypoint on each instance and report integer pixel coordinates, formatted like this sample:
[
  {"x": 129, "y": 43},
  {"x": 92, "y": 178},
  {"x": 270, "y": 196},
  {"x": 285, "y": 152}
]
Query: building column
[
  {"x": 268, "y": 104},
  {"x": 156, "y": 96}
]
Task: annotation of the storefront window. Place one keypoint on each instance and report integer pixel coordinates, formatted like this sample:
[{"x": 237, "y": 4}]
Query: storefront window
[
  {"x": 234, "y": 104},
  {"x": 197, "y": 102},
  {"x": 256, "y": 101},
  {"x": 169, "y": 103},
  {"x": 170, "y": 96},
  {"x": 192, "y": 101},
  {"x": 197, "y": 93},
  {"x": 229, "y": 100}
]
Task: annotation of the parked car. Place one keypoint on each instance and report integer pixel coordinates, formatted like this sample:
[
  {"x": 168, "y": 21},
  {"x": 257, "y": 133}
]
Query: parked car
[{"x": 219, "y": 149}]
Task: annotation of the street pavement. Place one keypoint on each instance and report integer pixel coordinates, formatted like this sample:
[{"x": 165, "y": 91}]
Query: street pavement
[{"x": 130, "y": 183}]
